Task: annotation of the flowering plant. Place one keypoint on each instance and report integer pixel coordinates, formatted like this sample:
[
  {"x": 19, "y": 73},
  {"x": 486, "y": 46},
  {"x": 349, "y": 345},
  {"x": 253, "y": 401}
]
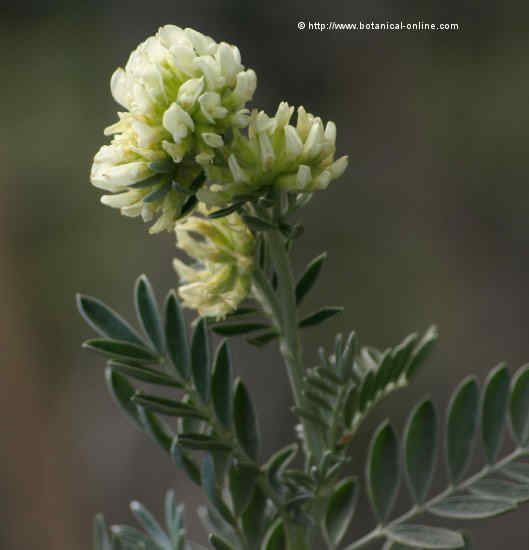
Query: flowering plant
[{"x": 228, "y": 181}]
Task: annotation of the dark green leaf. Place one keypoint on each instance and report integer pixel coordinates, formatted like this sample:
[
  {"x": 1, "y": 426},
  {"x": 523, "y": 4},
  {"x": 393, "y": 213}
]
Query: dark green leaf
[
  {"x": 226, "y": 211},
  {"x": 101, "y": 540},
  {"x": 168, "y": 407},
  {"x": 420, "y": 449},
  {"x": 278, "y": 462},
  {"x": 183, "y": 460},
  {"x": 461, "y": 427},
  {"x": 202, "y": 442},
  {"x": 309, "y": 277},
  {"x": 350, "y": 406},
  {"x": 421, "y": 352},
  {"x": 274, "y": 538},
  {"x": 235, "y": 329},
  {"x": 176, "y": 336},
  {"x": 164, "y": 166},
  {"x": 497, "y": 488},
  {"x": 200, "y": 360},
  {"x": 151, "y": 526},
  {"x": 383, "y": 471},
  {"x": 425, "y": 537},
  {"x": 209, "y": 486},
  {"x": 145, "y": 374},
  {"x": 106, "y": 321},
  {"x": 401, "y": 356},
  {"x": 190, "y": 203},
  {"x": 242, "y": 479},
  {"x": 156, "y": 429},
  {"x": 119, "y": 349},
  {"x": 319, "y": 316},
  {"x": 519, "y": 405},
  {"x": 245, "y": 420},
  {"x": 218, "y": 543},
  {"x": 470, "y": 507},
  {"x": 263, "y": 339},
  {"x": 122, "y": 392},
  {"x": 253, "y": 518},
  {"x": 221, "y": 386},
  {"x": 159, "y": 193},
  {"x": 367, "y": 390},
  {"x": 257, "y": 224},
  {"x": 340, "y": 510},
  {"x": 148, "y": 182},
  {"x": 148, "y": 314},
  {"x": 494, "y": 410}
]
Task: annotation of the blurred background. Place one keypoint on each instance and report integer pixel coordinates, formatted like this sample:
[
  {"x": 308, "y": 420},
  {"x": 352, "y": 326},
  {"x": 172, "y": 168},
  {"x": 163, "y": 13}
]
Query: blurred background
[{"x": 429, "y": 224}]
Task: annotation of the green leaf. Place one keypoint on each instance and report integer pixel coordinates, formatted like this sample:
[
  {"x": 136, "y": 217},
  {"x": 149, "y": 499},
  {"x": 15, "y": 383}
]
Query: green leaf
[
  {"x": 257, "y": 224},
  {"x": 174, "y": 518},
  {"x": 274, "y": 538},
  {"x": 519, "y": 471},
  {"x": 218, "y": 543},
  {"x": 188, "y": 206},
  {"x": 351, "y": 404},
  {"x": 101, "y": 540},
  {"x": 461, "y": 427},
  {"x": 226, "y": 211},
  {"x": 320, "y": 316},
  {"x": 263, "y": 339},
  {"x": 145, "y": 374},
  {"x": 130, "y": 538},
  {"x": 176, "y": 336},
  {"x": 235, "y": 329},
  {"x": 122, "y": 392},
  {"x": 470, "y": 507},
  {"x": 151, "y": 526},
  {"x": 221, "y": 386},
  {"x": 340, "y": 510},
  {"x": 209, "y": 486},
  {"x": 245, "y": 421},
  {"x": 253, "y": 518},
  {"x": 420, "y": 449},
  {"x": 519, "y": 405},
  {"x": 148, "y": 313},
  {"x": 425, "y": 537},
  {"x": 497, "y": 488},
  {"x": 119, "y": 349},
  {"x": 158, "y": 430},
  {"x": 383, "y": 471},
  {"x": 278, "y": 462},
  {"x": 200, "y": 359},
  {"x": 493, "y": 410},
  {"x": 148, "y": 182},
  {"x": 167, "y": 407},
  {"x": 202, "y": 442},
  {"x": 183, "y": 460},
  {"x": 106, "y": 321},
  {"x": 421, "y": 352},
  {"x": 159, "y": 193},
  {"x": 401, "y": 356},
  {"x": 309, "y": 277},
  {"x": 366, "y": 391},
  {"x": 242, "y": 480}
]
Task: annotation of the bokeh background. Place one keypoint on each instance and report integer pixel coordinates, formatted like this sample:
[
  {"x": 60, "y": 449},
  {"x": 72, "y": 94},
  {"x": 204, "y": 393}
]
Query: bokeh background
[{"x": 429, "y": 224}]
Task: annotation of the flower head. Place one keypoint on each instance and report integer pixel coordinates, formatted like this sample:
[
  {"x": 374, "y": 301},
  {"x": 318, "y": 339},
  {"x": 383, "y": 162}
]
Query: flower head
[
  {"x": 181, "y": 91},
  {"x": 223, "y": 252},
  {"x": 298, "y": 159}
]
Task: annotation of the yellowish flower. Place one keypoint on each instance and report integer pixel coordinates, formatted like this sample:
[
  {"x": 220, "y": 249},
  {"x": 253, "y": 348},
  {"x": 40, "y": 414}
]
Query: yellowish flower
[
  {"x": 181, "y": 91},
  {"x": 223, "y": 253}
]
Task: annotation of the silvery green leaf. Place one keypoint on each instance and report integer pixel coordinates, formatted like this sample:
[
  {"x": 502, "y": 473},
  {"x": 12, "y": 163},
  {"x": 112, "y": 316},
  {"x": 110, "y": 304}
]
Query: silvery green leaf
[
  {"x": 501, "y": 489},
  {"x": 519, "y": 405},
  {"x": 200, "y": 360},
  {"x": 222, "y": 386},
  {"x": 470, "y": 507},
  {"x": 274, "y": 538},
  {"x": 425, "y": 537},
  {"x": 101, "y": 539},
  {"x": 340, "y": 510},
  {"x": 309, "y": 277},
  {"x": 151, "y": 526},
  {"x": 148, "y": 313},
  {"x": 176, "y": 336},
  {"x": 245, "y": 421},
  {"x": 120, "y": 349}
]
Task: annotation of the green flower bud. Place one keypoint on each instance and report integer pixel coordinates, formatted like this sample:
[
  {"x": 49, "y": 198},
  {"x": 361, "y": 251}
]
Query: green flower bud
[
  {"x": 223, "y": 252},
  {"x": 181, "y": 92}
]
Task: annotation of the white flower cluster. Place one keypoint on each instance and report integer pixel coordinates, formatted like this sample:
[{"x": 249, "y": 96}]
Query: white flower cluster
[
  {"x": 223, "y": 251},
  {"x": 181, "y": 91},
  {"x": 298, "y": 159}
]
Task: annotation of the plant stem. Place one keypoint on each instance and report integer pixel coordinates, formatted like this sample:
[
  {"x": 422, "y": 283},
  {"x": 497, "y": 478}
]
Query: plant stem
[{"x": 380, "y": 530}]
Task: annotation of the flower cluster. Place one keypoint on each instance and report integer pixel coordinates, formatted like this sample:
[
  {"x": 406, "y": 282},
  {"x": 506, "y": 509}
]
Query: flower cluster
[
  {"x": 298, "y": 159},
  {"x": 181, "y": 91},
  {"x": 223, "y": 251}
]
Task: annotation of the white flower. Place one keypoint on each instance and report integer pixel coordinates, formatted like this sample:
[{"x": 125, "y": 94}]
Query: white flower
[
  {"x": 223, "y": 251},
  {"x": 298, "y": 159},
  {"x": 181, "y": 92}
]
